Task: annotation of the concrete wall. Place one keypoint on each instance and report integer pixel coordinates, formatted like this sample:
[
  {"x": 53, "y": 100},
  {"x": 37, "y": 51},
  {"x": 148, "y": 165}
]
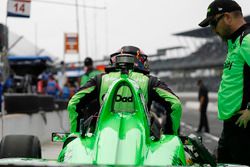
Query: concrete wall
[{"x": 41, "y": 124}]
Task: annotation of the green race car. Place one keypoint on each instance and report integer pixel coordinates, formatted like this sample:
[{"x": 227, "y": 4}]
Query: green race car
[
  {"x": 122, "y": 136},
  {"x": 119, "y": 135}
]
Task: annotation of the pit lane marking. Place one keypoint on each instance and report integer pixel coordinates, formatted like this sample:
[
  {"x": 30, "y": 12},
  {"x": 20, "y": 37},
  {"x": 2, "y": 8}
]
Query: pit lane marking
[{"x": 215, "y": 138}]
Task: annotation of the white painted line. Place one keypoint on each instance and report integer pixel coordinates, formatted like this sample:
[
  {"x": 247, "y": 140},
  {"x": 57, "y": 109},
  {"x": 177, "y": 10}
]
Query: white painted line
[
  {"x": 206, "y": 134},
  {"x": 187, "y": 126},
  {"x": 212, "y": 136}
]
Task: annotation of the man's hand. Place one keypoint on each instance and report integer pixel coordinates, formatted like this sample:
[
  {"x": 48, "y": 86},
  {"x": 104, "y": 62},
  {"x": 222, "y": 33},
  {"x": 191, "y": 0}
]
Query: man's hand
[{"x": 244, "y": 118}]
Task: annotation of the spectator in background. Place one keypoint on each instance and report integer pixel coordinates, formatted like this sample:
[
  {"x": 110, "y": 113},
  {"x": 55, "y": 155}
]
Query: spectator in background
[
  {"x": 9, "y": 83},
  {"x": 41, "y": 85},
  {"x": 66, "y": 91},
  {"x": 203, "y": 99},
  {"x": 52, "y": 87},
  {"x": 90, "y": 71},
  {"x": 61, "y": 75},
  {"x": 226, "y": 20},
  {"x": 73, "y": 89}
]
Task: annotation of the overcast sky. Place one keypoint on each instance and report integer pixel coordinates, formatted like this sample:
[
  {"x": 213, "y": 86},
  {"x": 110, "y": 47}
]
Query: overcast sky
[{"x": 148, "y": 24}]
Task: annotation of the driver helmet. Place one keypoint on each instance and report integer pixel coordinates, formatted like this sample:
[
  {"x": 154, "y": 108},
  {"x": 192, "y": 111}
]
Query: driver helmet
[{"x": 141, "y": 59}]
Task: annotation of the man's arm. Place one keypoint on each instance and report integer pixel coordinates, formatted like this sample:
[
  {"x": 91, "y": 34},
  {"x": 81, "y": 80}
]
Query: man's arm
[
  {"x": 245, "y": 52},
  {"x": 202, "y": 100},
  {"x": 83, "y": 96},
  {"x": 165, "y": 96},
  {"x": 245, "y": 49}
]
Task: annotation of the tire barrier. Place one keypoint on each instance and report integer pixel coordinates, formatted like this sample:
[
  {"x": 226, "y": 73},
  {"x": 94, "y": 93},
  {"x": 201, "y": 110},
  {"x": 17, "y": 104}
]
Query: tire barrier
[
  {"x": 21, "y": 103},
  {"x": 46, "y": 103},
  {"x": 61, "y": 104},
  {"x": 32, "y": 103},
  {"x": 34, "y": 124}
]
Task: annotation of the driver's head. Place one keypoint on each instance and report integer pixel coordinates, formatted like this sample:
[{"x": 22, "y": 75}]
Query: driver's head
[{"x": 141, "y": 59}]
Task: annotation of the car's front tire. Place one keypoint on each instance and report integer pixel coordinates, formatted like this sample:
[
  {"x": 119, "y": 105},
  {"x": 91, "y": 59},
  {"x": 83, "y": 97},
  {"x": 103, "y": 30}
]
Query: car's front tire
[{"x": 20, "y": 146}]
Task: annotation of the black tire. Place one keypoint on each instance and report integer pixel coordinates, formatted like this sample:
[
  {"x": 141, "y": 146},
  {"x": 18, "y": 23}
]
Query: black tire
[{"x": 20, "y": 146}]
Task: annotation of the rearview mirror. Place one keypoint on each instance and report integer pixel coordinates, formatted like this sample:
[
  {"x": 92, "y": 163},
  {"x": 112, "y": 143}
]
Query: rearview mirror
[{"x": 59, "y": 136}]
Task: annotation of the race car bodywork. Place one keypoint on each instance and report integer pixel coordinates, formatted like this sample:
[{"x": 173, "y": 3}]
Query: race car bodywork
[{"x": 122, "y": 135}]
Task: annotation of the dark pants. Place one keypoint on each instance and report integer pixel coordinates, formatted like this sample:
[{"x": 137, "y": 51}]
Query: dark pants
[
  {"x": 234, "y": 144},
  {"x": 91, "y": 109},
  {"x": 203, "y": 118}
]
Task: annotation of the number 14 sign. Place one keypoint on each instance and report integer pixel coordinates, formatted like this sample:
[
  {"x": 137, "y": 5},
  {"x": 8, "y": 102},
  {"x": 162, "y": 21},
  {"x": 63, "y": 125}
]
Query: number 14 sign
[{"x": 19, "y": 8}]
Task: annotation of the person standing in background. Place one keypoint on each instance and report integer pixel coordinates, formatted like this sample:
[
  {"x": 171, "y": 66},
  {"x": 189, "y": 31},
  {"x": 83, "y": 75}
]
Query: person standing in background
[
  {"x": 66, "y": 91},
  {"x": 89, "y": 70},
  {"x": 52, "y": 87},
  {"x": 203, "y": 99},
  {"x": 8, "y": 85}
]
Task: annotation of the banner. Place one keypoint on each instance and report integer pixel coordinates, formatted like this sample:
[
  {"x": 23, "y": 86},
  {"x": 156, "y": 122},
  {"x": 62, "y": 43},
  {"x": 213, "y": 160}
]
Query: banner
[
  {"x": 19, "y": 8},
  {"x": 71, "y": 43}
]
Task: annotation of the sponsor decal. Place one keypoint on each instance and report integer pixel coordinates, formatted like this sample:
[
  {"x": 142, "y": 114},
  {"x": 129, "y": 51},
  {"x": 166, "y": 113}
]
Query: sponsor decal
[{"x": 120, "y": 98}]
